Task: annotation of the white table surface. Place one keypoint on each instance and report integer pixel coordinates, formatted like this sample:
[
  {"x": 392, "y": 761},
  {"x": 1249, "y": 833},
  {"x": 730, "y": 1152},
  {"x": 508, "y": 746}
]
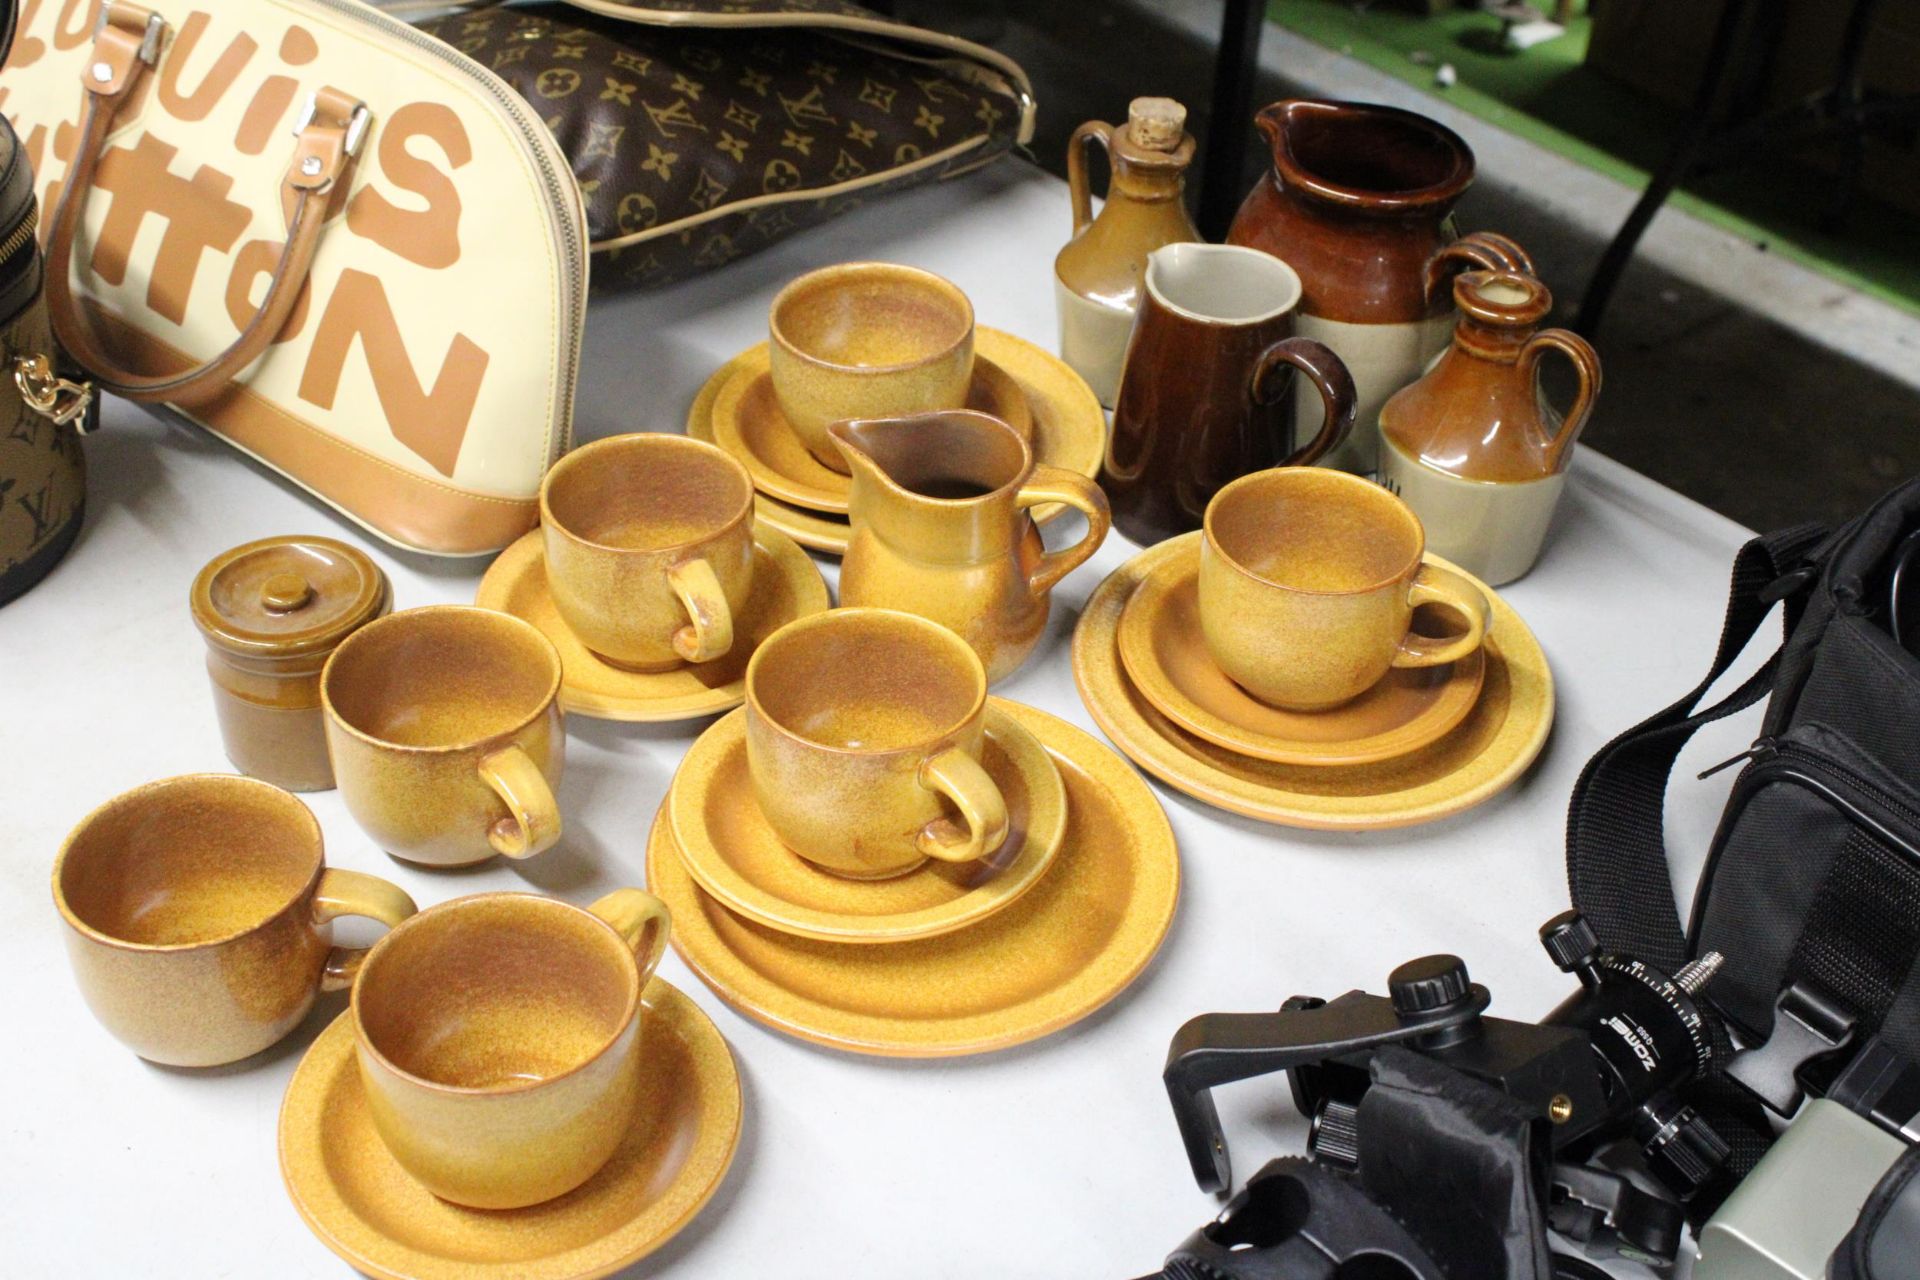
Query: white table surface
[{"x": 1056, "y": 1159}]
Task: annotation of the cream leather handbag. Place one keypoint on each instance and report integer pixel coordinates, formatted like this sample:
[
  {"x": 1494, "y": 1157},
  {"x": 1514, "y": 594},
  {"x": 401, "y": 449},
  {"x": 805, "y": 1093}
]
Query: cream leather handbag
[{"x": 327, "y": 238}]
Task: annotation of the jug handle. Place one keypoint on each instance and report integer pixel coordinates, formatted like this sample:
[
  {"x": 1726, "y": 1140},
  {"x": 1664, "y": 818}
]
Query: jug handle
[
  {"x": 1057, "y": 484},
  {"x": 1477, "y": 251},
  {"x": 1091, "y": 132},
  {"x": 1586, "y": 365},
  {"x": 1330, "y": 377}
]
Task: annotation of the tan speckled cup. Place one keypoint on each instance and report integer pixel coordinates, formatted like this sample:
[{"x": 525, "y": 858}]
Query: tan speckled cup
[
  {"x": 1308, "y": 582},
  {"x": 446, "y": 734},
  {"x": 864, "y": 733},
  {"x": 499, "y": 1040},
  {"x": 867, "y": 340},
  {"x": 198, "y": 915}
]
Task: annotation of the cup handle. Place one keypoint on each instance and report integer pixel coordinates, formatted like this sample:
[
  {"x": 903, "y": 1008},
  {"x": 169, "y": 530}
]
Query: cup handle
[
  {"x": 642, "y": 920},
  {"x": 1330, "y": 377},
  {"x": 1444, "y": 587},
  {"x": 1057, "y": 484},
  {"x": 533, "y": 822},
  {"x": 982, "y": 826},
  {"x": 354, "y": 893},
  {"x": 710, "y": 633}
]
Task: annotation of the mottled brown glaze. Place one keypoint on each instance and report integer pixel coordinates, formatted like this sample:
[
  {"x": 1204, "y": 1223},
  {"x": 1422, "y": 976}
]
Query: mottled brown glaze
[
  {"x": 1357, "y": 202},
  {"x": 362, "y": 1204},
  {"x": 865, "y": 340},
  {"x": 864, "y": 736},
  {"x": 1308, "y": 583},
  {"x": 271, "y": 611},
  {"x": 446, "y": 732},
  {"x": 198, "y": 915},
  {"x": 1164, "y": 650},
  {"x": 941, "y": 528},
  {"x": 1204, "y": 395},
  {"x": 499, "y": 1040},
  {"x": 649, "y": 548}
]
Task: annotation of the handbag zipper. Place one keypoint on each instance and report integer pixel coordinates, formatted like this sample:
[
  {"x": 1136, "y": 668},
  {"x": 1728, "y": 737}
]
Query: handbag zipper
[
  {"x": 20, "y": 236},
  {"x": 562, "y": 190}
]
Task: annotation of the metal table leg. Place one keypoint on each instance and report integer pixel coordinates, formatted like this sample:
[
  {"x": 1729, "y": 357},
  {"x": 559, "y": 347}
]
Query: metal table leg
[
  {"x": 1231, "y": 116},
  {"x": 1672, "y": 171}
]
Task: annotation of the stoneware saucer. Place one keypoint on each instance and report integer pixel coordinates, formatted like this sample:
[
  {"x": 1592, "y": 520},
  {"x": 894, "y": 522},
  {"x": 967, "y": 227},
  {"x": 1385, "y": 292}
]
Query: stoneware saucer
[
  {"x": 367, "y": 1209},
  {"x": 1069, "y": 429},
  {"x": 786, "y": 585},
  {"x": 1483, "y": 755},
  {"x": 748, "y": 424},
  {"x": 1067, "y": 947},
  {"x": 736, "y": 857},
  {"x": 1166, "y": 658}
]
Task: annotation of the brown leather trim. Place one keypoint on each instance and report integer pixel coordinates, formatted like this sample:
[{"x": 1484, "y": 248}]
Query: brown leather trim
[
  {"x": 788, "y": 197},
  {"x": 1020, "y": 87},
  {"x": 410, "y": 511}
]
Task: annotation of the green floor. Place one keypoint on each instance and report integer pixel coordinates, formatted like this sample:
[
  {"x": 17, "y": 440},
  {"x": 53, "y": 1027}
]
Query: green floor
[{"x": 1548, "y": 95}]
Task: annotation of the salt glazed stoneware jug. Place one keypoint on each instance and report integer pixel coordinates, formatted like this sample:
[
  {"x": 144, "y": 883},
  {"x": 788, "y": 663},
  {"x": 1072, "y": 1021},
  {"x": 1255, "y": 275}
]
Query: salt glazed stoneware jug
[
  {"x": 1096, "y": 277},
  {"x": 941, "y": 527},
  {"x": 1359, "y": 202},
  {"x": 1203, "y": 396},
  {"x": 1473, "y": 447}
]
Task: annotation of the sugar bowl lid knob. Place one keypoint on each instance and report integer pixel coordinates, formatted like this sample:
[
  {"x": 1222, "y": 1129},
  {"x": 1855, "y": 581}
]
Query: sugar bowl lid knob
[{"x": 285, "y": 592}]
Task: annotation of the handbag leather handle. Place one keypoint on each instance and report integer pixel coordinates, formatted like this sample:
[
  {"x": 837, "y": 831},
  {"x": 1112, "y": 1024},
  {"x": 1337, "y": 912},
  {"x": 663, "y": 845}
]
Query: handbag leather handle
[{"x": 334, "y": 125}]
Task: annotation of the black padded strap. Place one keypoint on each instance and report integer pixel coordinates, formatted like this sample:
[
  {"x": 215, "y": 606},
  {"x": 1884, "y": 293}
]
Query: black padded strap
[{"x": 1616, "y": 825}]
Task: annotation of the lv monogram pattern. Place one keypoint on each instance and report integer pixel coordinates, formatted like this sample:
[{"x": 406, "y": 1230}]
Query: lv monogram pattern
[
  {"x": 42, "y": 480},
  {"x": 669, "y": 129}
]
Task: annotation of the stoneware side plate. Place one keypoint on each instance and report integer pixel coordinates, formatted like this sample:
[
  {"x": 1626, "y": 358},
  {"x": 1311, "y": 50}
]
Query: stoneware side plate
[
  {"x": 1069, "y": 430},
  {"x": 1067, "y": 947},
  {"x": 786, "y": 585},
  {"x": 737, "y": 858},
  {"x": 1481, "y": 757},
  {"x": 368, "y": 1210}
]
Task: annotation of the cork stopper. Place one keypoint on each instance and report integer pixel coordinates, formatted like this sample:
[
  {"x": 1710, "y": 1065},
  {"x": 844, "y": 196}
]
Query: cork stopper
[{"x": 1156, "y": 124}]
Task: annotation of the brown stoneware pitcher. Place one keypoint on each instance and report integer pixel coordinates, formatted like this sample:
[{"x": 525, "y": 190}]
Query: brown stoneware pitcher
[
  {"x": 1203, "y": 396},
  {"x": 1473, "y": 447},
  {"x": 941, "y": 527},
  {"x": 1359, "y": 201}
]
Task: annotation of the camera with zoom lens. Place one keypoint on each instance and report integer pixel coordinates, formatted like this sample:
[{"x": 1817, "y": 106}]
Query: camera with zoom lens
[{"x": 1421, "y": 1103}]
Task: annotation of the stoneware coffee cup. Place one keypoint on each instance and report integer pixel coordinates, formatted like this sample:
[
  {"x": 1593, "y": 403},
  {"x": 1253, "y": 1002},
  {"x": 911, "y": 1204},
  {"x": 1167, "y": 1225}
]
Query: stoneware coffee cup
[
  {"x": 1308, "y": 582},
  {"x": 447, "y": 738},
  {"x": 867, "y": 340},
  {"x": 649, "y": 546},
  {"x": 499, "y": 1040},
  {"x": 864, "y": 732},
  {"x": 198, "y": 914}
]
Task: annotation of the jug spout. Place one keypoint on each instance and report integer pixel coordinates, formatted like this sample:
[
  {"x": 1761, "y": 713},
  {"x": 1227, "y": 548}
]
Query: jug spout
[{"x": 949, "y": 455}]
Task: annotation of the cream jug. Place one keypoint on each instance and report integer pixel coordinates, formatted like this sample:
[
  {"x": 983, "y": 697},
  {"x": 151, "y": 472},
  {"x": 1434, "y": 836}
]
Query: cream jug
[{"x": 941, "y": 527}]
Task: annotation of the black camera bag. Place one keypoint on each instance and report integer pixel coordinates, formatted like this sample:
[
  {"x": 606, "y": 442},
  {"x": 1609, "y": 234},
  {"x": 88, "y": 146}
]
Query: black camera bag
[{"x": 1814, "y": 874}]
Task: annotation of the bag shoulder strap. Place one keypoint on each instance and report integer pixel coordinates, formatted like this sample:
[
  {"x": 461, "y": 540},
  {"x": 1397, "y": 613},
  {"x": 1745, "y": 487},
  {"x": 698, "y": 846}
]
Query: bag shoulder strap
[
  {"x": 125, "y": 48},
  {"x": 1616, "y": 825}
]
